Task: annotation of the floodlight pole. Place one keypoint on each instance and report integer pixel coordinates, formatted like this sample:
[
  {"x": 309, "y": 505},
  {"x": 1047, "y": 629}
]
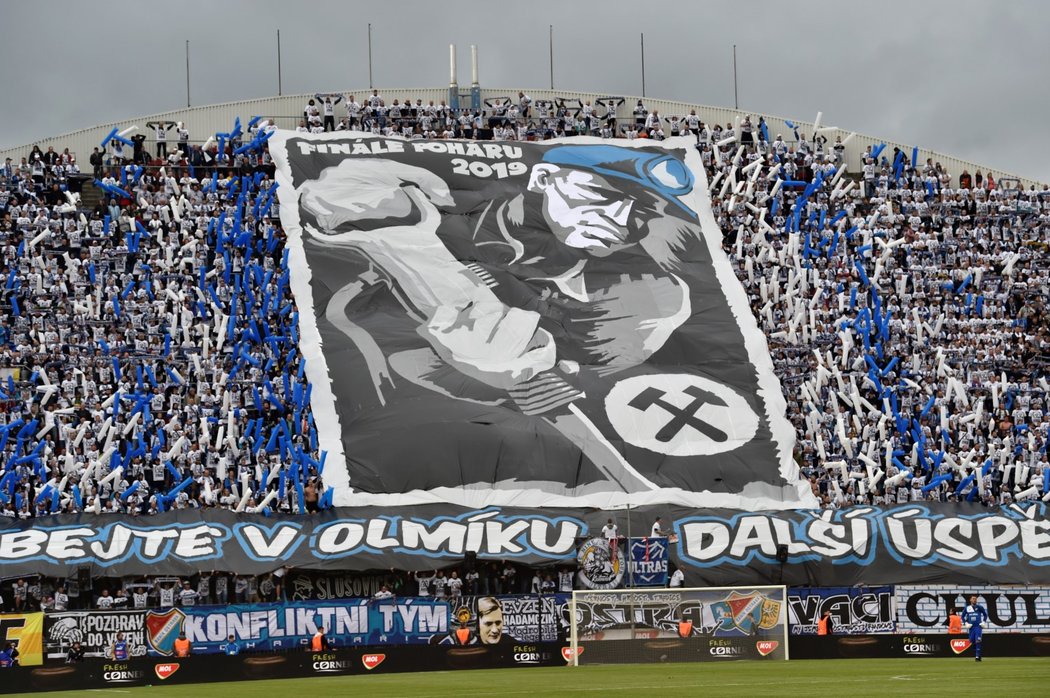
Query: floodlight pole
[
  {"x": 370, "y": 85},
  {"x": 736, "y": 95},
  {"x": 187, "y": 72},
  {"x": 643, "y": 63},
  {"x": 551, "y": 42}
]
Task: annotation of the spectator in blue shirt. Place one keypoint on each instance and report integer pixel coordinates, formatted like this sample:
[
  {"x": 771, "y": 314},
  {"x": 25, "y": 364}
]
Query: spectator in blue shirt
[{"x": 231, "y": 648}]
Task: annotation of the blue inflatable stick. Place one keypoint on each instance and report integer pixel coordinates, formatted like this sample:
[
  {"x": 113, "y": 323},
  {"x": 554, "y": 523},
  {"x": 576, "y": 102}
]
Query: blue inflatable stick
[
  {"x": 110, "y": 136},
  {"x": 129, "y": 491},
  {"x": 179, "y": 488},
  {"x": 863, "y": 274}
]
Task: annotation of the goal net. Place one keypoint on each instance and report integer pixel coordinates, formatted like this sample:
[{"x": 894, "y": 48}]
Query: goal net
[{"x": 678, "y": 625}]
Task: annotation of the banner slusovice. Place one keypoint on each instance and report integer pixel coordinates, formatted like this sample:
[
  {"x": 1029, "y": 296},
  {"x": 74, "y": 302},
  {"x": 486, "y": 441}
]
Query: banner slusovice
[
  {"x": 902, "y": 544},
  {"x": 555, "y": 323},
  {"x": 25, "y": 631}
]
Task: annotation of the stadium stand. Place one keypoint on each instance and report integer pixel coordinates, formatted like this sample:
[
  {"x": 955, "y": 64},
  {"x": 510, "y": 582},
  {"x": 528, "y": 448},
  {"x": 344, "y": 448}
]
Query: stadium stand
[
  {"x": 945, "y": 280},
  {"x": 150, "y": 339},
  {"x": 149, "y": 343}
]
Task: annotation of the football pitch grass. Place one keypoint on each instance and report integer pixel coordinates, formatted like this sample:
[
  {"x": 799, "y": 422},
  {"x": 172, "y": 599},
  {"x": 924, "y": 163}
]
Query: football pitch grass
[{"x": 962, "y": 676}]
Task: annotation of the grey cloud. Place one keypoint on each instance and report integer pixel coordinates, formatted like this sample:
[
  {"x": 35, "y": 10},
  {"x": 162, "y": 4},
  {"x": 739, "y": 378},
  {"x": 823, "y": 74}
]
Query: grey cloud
[{"x": 963, "y": 77}]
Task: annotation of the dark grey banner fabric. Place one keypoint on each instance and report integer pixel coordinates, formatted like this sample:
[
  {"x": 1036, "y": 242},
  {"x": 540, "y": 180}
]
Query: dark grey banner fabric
[
  {"x": 527, "y": 324},
  {"x": 900, "y": 544}
]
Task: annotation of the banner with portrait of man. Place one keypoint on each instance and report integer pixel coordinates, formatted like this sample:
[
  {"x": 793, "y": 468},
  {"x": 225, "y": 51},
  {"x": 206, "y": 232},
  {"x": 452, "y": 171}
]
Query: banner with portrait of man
[{"x": 529, "y": 324}]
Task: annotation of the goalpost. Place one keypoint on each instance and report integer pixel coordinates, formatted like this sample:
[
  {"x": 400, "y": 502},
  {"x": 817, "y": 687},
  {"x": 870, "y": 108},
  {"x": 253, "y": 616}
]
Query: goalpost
[{"x": 618, "y": 626}]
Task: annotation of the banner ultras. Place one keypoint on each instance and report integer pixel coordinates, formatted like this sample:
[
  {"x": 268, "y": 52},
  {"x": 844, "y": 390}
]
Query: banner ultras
[
  {"x": 603, "y": 565},
  {"x": 23, "y": 630},
  {"x": 854, "y": 610},
  {"x": 96, "y": 631},
  {"x": 554, "y": 323},
  {"x": 903, "y": 544}
]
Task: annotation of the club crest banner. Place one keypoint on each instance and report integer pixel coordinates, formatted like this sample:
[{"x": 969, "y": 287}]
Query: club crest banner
[{"x": 553, "y": 323}]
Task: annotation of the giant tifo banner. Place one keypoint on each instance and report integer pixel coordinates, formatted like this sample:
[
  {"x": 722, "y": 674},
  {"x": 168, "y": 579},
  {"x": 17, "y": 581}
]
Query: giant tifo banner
[
  {"x": 509, "y": 342},
  {"x": 903, "y": 544},
  {"x": 554, "y": 324}
]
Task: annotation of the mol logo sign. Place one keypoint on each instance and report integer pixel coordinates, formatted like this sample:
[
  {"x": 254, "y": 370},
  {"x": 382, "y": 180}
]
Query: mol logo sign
[
  {"x": 568, "y": 653},
  {"x": 765, "y": 647},
  {"x": 371, "y": 661}
]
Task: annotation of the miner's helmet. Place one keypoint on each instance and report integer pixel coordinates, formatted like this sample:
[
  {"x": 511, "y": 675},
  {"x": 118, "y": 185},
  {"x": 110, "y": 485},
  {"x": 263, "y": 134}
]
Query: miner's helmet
[{"x": 659, "y": 172}]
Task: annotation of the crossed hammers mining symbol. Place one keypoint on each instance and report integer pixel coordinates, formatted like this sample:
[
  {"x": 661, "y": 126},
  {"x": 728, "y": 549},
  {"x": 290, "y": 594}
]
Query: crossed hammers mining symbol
[{"x": 681, "y": 417}]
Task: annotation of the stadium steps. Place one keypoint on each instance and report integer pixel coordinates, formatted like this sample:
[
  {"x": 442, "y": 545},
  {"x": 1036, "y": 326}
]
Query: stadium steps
[{"x": 90, "y": 196}]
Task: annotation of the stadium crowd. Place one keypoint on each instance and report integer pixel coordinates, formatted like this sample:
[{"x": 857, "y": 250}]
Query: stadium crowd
[
  {"x": 80, "y": 592},
  {"x": 149, "y": 343},
  {"x": 905, "y": 313}
]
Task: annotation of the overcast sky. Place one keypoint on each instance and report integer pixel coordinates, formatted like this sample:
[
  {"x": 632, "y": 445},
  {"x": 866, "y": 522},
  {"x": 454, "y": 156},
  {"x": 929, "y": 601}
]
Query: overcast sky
[{"x": 963, "y": 77}]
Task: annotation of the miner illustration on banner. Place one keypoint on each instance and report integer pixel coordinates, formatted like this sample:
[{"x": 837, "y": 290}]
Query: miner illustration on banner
[{"x": 521, "y": 293}]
